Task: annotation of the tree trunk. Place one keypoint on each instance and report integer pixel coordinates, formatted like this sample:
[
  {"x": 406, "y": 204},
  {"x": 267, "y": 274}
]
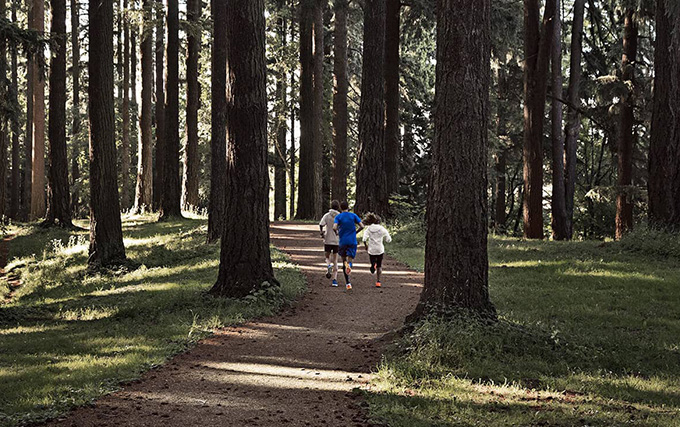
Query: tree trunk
[
  {"x": 573, "y": 117},
  {"x": 218, "y": 109},
  {"x": 159, "y": 164},
  {"x": 499, "y": 190},
  {"x": 318, "y": 109},
  {"x": 190, "y": 178},
  {"x": 559, "y": 226},
  {"x": 291, "y": 212},
  {"x": 626, "y": 140},
  {"x": 119, "y": 63},
  {"x": 125, "y": 140},
  {"x": 664, "y": 150},
  {"x": 392, "y": 136},
  {"x": 38, "y": 169},
  {"x": 308, "y": 188},
  {"x": 31, "y": 76},
  {"x": 245, "y": 262},
  {"x": 371, "y": 180},
  {"x": 144, "y": 189},
  {"x": 4, "y": 122},
  {"x": 456, "y": 262},
  {"x": 340, "y": 116},
  {"x": 537, "y": 43},
  {"x": 171, "y": 186},
  {"x": 76, "y": 147},
  {"x": 281, "y": 130},
  {"x": 106, "y": 237},
  {"x": 15, "y": 190},
  {"x": 59, "y": 206}
]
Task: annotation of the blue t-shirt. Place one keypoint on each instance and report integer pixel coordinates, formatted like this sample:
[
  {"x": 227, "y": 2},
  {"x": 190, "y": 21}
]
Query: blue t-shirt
[{"x": 346, "y": 228}]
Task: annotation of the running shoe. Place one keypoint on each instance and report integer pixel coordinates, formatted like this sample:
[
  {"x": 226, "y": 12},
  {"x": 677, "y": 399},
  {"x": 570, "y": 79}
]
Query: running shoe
[
  {"x": 329, "y": 271},
  {"x": 378, "y": 285},
  {"x": 335, "y": 283},
  {"x": 349, "y": 286}
]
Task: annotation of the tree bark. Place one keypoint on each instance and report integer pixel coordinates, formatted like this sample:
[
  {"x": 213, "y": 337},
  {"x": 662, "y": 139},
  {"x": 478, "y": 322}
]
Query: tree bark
[
  {"x": 537, "y": 43},
  {"x": 291, "y": 212},
  {"x": 106, "y": 237},
  {"x": 218, "y": 108},
  {"x": 456, "y": 262},
  {"x": 159, "y": 164},
  {"x": 664, "y": 150},
  {"x": 573, "y": 117},
  {"x": 144, "y": 188},
  {"x": 392, "y": 136},
  {"x": 559, "y": 226},
  {"x": 171, "y": 187},
  {"x": 76, "y": 146},
  {"x": 15, "y": 190},
  {"x": 4, "y": 122},
  {"x": 125, "y": 140},
  {"x": 318, "y": 109},
  {"x": 500, "y": 187},
  {"x": 280, "y": 184},
  {"x": 245, "y": 262},
  {"x": 59, "y": 205},
  {"x": 190, "y": 177},
  {"x": 38, "y": 169},
  {"x": 340, "y": 115},
  {"x": 371, "y": 179},
  {"x": 31, "y": 76},
  {"x": 626, "y": 137},
  {"x": 309, "y": 189}
]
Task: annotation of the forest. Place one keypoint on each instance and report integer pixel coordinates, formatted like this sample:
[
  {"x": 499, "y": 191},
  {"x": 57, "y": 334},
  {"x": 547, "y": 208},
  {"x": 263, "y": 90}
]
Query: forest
[{"x": 167, "y": 167}]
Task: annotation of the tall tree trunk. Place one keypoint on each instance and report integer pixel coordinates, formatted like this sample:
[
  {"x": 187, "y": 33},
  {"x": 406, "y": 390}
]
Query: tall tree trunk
[
  {"x": 133, "y": 72},
  {"x": 340, "y": 117},
  {"x": 626, "y": 137},
  {"x": 560, "y": 230},
  {"x": 31, "y": 76},
  {"x": 664, "y": 150},
  {"x": 15, "y": 190},
  {"x": 499, "y": 190},
  {"x": 456, "y": 262},
  {"x": 392, "y": 136},
  {"x": 218, "y": 109},
  {"x": 106, "y": 236},
  {"x": 245, "y": 262},
  {"x": 308, "y": 188},
  {"x": 190, "y": 177},
  {"x": 38, "y": 169},
  {"x": 171, "y": 188},
  {"x": 59, "y": 206},
  {"x": 281, "y": 129},
  {"x": 159, "y": 164},
  {"x": 537, "y": 43},
  {"x": 371, "y": 180},
  {"x": 318, "y": 109},
  {"x": 4, "y": 122},
  {"x": 291, "y": 212},
  {"x": 119, "y": 59},
  {"x": 573, "y": 118},
  {"x": 125, "y": 140},
  {"x": 144, "y": 188},
  {"x": 76, "y": 146}
]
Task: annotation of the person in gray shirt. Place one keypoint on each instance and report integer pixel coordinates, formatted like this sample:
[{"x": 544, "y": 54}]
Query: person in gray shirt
[{"x": 330, "y": 240}]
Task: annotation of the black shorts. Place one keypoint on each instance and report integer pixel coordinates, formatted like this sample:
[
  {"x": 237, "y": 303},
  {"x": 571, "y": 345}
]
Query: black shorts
[
  {"x": 377, "y": 260},
  {"x": 330, "y": 248}
]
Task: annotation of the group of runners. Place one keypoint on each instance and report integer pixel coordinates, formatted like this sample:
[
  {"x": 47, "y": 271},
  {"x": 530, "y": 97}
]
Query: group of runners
[{"x": 339, "y": 228}]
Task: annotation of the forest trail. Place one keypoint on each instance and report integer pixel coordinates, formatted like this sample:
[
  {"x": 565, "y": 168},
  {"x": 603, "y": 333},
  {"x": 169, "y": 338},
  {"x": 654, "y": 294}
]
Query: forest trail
[{"x": 295, "y": 369}]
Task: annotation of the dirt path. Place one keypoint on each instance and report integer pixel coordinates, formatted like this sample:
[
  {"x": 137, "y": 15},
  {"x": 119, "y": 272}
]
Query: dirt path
[{"x": 296, "y": 369}]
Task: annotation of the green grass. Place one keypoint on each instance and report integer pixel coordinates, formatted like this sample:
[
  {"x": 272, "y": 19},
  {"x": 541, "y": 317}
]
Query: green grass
[
  {"x": 589, "y": 334},
  {"x": 68, "y": 337}
]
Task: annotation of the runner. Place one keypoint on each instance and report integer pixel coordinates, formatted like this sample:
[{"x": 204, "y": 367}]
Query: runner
[
  {"x": 330, "y": 241},
  {"x": 345, "y": 226}
]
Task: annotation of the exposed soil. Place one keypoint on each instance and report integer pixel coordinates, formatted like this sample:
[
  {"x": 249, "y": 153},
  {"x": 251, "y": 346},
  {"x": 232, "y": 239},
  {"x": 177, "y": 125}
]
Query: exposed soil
[{"x": 295, "y": 369}]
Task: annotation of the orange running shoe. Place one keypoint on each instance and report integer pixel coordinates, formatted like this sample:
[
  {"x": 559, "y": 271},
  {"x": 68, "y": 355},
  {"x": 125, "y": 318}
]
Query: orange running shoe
[{"x": 378, "y": 285}]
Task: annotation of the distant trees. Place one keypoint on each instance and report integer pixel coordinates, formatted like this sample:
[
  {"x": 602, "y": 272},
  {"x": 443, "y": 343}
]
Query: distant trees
[
  {"x": 37, "y": 198},
  {"x": 392, "y": 134},
  {"x": 340, "y": 114},
  {"x": 191, "y": 160},
  {"x": 159, "y": 162},
  {"x": 144, "y": 187},
  {"x": 456, "y": 262},
  {"x": 106, "y": 236},
  {"x": 245, "y": 262}
]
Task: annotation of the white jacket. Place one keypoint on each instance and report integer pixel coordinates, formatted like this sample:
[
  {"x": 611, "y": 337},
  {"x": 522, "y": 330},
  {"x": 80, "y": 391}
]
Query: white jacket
[
  {"x": 374, "y": 235},
  {"x": 330, "y": 236}
]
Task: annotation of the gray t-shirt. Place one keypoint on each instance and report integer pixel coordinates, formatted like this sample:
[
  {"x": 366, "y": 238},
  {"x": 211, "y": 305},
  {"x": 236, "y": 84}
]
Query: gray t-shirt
[{"x": 330, "y": 237}]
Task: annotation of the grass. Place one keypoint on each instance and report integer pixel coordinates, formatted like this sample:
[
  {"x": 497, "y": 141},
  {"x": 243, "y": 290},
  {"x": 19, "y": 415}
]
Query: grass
[
  {"x": 589, "y": 334},
  {"x": 68, "y": 337}
]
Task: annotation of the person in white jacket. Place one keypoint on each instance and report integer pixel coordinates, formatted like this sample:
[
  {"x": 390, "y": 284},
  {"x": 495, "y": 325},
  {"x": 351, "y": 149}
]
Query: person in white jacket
[
  {"x": 330, "y": 240},
  {"x": 374, "y": 235}
]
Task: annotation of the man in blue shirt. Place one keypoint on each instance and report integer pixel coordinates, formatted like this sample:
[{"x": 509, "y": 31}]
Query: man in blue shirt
[{"x": 345, "y": 226}]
